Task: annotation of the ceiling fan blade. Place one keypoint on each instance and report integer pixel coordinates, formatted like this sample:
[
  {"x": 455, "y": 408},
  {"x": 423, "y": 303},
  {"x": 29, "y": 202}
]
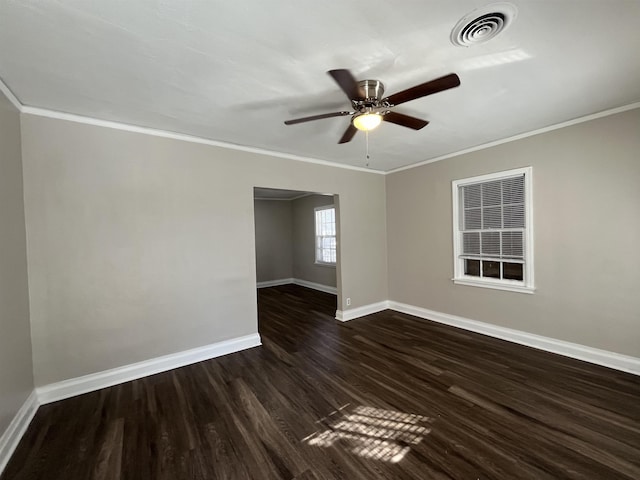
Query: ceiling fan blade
[
  {"x": 405, "y": 120},
  {"x": 348, "y": 134},
  {"x": 347, "y": 83},
  {"x": 316, "y": 117},
  {"x": 434, "y": 86}
]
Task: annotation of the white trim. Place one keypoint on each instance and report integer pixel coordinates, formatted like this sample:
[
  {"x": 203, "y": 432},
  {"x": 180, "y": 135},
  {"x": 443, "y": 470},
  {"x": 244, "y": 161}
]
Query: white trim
[
  {"x": 297, "y": 281},
  {"x": 316, "y": 286},
  {"x": 13, "y": 434},
  {"x": 95, "y": 381},
  {"x": 568, "y": 123},
  {"x": 597, "y": 356},
  {"x": 266, "y": 199},
  {"x": 275, "y": 283},
  {"x": 309, "y": 194},
  {"x": 271, "y": 199},
  {"x": 497, "y": 285},
  {"x": 487, "y": 177},
  {"x": 350, "y": 314},
  {"x": 527, "y": 285},
  {"x": 323, "y": 264},
  {"x": 4, "y": 88},
  {"x": 42, "y": 112}
]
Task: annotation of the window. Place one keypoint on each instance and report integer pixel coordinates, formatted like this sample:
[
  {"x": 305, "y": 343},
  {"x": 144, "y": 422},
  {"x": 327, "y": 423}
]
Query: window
[
  {"x": 492, "y": 231},
  {"x": 326, "y": 235}
]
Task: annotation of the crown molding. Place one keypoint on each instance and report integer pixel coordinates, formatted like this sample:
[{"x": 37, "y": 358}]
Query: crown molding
[
  {"x": 4, "y": 88},
  {"x": 271, "y": 199},
  {"x": 43, "y": 112},
  {"x": 267, "y": 199},
  {"x": 568, "y": 123},
  {"x": 304, "y": 195},
  {"x": 70, "y": 117}
]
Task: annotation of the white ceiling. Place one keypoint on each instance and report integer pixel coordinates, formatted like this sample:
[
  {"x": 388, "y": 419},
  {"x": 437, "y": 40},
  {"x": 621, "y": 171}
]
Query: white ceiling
[{"x": 234, "y": 71}]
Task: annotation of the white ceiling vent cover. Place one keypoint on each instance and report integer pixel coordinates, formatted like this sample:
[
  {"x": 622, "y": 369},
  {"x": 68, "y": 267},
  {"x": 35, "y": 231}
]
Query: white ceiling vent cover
[{"x": 483, "y": 24}]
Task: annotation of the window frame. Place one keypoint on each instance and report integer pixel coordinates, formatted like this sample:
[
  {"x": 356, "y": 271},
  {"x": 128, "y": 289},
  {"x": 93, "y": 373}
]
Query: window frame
[
  {"x": 527, "y": 284},
  {"x": 316, "y": 249}
]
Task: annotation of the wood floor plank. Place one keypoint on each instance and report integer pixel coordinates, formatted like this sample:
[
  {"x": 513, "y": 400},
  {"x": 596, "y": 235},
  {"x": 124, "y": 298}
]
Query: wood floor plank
[
  {"x": 387, "y": 396},
  {"x": 108, "y": 465}
]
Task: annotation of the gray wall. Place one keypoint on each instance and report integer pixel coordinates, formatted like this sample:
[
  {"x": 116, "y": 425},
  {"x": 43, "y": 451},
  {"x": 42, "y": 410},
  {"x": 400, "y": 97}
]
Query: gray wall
[
  {"x": 586, "y": 190},
  {"x": 304, "y": 241},
  {"x": 274, "y": 239},
  {"x": 141, "y": 246},
  {"x": 16, "y": 369}
]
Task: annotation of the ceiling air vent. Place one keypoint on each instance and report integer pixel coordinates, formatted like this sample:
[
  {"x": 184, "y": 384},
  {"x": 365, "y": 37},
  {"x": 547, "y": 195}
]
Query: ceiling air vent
[{"x": 483, "y": 24}]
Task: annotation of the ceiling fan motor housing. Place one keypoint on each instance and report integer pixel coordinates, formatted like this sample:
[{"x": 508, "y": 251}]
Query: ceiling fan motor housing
[
  {"x": 370, "y": 96},
  {"x": 371, "y": 89}
]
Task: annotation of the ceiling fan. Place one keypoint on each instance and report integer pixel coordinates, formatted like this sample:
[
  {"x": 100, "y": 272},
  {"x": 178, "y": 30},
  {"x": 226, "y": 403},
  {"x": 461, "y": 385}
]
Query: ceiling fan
[{"x": 370, "y": 108}]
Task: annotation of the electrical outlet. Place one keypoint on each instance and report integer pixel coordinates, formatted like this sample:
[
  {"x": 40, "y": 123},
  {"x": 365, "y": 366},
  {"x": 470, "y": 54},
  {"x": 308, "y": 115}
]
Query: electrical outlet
[{"x": 348, "y": 301}]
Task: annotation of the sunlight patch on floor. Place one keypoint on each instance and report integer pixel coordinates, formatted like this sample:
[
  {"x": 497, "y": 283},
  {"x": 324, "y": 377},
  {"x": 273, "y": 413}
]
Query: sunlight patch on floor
[{"x": 370, "y": 432}]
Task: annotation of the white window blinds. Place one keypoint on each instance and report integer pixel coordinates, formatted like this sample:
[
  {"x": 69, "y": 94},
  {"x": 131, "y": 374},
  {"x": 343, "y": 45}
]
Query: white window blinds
[{"x": 493, "y": 219}]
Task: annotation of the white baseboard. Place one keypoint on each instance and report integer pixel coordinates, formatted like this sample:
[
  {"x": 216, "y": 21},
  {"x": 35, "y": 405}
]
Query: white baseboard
[
  {"x": 316, "y": 286},
  {"x": 11, "y": 437},
  {"x": 350, "y": 314},
  {"x": 605, "y": 358},
  {"x": 275, "y": 283},
  {"x": 96, "y": 381},
  {"x": 297, "y": 281}
]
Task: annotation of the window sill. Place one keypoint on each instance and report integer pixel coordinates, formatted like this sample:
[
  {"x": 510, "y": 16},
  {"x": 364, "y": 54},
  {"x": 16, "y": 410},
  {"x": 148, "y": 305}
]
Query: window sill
[
  {"x": 321, "y": 264},
  {"x": 494, "y": 285}
]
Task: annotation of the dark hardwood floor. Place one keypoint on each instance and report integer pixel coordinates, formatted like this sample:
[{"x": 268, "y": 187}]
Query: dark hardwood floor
[{"x": 387, "y": 396}]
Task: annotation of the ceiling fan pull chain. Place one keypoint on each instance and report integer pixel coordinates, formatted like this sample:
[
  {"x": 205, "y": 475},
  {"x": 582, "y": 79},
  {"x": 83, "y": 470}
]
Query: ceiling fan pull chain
[{"x": 366, "y": 136}]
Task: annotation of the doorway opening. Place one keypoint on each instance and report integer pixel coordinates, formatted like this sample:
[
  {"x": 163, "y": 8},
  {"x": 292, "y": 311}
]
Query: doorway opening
[{"x": 297, "y": 243}]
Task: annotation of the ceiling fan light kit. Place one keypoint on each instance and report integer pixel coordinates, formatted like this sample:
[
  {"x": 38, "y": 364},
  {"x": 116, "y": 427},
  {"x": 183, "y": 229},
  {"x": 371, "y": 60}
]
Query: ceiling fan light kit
[
  {"x": 370, "y": 108},
  {"x": 366, "y": 121}
]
